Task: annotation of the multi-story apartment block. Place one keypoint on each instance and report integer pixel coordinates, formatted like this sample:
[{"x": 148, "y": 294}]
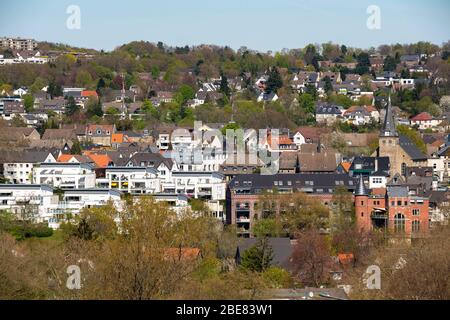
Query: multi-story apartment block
[
  {"x": 132, "y": 180},
  {"x": 245, "y": 192},
  {"x": 73, "y": 201},
  {"x": 40, "y": 204},
  {"x": 26, "y": 201},
  {"x": 18, "y": 44},
  {"x": 65, "y": 175},
  {"x": 19, "y": 169}
]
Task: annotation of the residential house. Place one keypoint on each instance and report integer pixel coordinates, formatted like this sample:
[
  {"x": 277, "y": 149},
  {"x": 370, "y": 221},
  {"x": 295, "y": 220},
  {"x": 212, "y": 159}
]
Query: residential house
[
  {"x": 65, "y": 175},
  {"x": 424, "y": 121},
  {"x": 100, "y": 134},
  {"x": 328, "y": 113},
  {"x": 19, "y": 168},
  {"x": 12, "y": 109}
]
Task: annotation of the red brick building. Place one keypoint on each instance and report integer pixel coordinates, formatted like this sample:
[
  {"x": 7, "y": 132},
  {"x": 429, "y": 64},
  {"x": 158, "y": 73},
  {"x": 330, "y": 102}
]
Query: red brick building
[
  {"x": 392, "y": 209},
  {"x": 244, "y": 194}
]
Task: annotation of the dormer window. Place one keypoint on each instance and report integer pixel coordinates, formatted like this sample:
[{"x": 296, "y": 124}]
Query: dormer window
[{"x": 99, "y": 131}]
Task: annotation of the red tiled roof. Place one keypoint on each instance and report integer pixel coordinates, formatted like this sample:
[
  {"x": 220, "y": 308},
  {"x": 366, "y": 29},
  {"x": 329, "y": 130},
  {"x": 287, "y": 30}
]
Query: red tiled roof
[
  {"x": 100, "y": 160},
  {"x": 89, "y": 93},
  {"x": 424, "y": 116}
]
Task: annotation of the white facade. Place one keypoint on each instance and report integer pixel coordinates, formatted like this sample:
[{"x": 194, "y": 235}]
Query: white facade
[
  {"x": 65, "y": 175},
  {"x": 29, "y": 200},
  {"x": 21, "y": 171},
  {"x": 205, "y": 185},
  {"x": 133, "y": 180},
  {"x": 439, "y": 167},
  {"x": 73, "y": 201},
  {"x": 377, "y": 181}
]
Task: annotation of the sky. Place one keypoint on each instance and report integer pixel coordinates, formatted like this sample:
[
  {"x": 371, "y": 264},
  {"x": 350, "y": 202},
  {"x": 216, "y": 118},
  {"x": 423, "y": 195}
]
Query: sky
[{"x": 257, "y": 24}]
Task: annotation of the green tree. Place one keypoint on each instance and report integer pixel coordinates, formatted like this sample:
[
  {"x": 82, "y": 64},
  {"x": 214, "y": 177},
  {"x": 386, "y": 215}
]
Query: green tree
[
  {"x": 76, "y": 147},
  {"x": 28, "y": 102},
  {"x": 184, "y": 94},
  {"x": 224, "y": 88},
  {"x": 390, "y": 63},
  {"x": 72, "y": 107},
  {"x": 83, "y": 78},
  {"x": 328, "y": 85},
  {"x": 94, "y": 108},
  {"x": 259, "y": 257},
  {"x": 274, "y": 82},
  {"x": 307, "y": 103}
]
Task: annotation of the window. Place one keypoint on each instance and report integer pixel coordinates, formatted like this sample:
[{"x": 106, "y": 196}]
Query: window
[
  {"x": 399, "y": 223},
  {"x": 416, "y": 226},
  {"x": 403, "y": 169},
  {"x": 377, "y": 180},
  {"x": 399, "y": 203},
  {"x": 416, "y": 212}
]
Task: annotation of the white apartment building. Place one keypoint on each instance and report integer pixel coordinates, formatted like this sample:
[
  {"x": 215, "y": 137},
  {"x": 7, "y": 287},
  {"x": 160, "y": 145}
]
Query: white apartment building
[
  {"x": 19, "y": 169},
  {"x": 198, "y": 185},
  {"x": 73, "y": 201},
  {"x": 133, "y": 180},
  {"x": 18, "y": 43},
  {"x": 27, "y": 201},
  {"x": 65, "y": 175},
  {"x": 178, "y": 202},
  {"x": 39, "y": 203}
]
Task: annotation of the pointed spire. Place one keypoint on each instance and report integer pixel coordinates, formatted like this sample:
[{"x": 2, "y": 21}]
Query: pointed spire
[
  {"x": 360, "y": 188},
  {"x": 388, "y": 129}
]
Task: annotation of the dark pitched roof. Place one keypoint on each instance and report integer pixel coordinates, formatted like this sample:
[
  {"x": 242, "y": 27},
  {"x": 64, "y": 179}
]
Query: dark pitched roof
[
  {"x": 149, "y": 160},
  {"x": 328, "y": 109},
  {"x": 361, "y": 188},
  {"x": 411, "y": 149},
  {"x": 303, "y": 182},
  {"x": 368, "y": 164},
  {"x": 388, "y": 129},
  {"x": 282, "y": 250}
]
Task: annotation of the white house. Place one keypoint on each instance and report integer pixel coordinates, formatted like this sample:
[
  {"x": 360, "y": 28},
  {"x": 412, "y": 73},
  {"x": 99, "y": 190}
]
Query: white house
[
  {"x": 19, "y": 168},
  {"x": 65, "y": 175},
  {"x": 425, "y": 121},
  {"x": 20, "y": 92}
]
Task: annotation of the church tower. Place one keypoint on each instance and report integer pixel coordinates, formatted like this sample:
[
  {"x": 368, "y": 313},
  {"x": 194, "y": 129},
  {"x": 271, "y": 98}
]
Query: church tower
[{"x": 389, "y": 141}]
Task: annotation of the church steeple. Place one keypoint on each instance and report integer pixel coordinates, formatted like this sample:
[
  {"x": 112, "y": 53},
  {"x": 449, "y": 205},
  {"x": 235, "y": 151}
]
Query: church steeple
[
  {"x": 360, "y": 188},
  {"x": 388, "y": 129}
]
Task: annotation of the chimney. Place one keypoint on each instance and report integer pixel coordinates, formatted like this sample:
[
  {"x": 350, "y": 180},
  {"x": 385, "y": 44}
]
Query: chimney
[{"x": 376, "y": 164}]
